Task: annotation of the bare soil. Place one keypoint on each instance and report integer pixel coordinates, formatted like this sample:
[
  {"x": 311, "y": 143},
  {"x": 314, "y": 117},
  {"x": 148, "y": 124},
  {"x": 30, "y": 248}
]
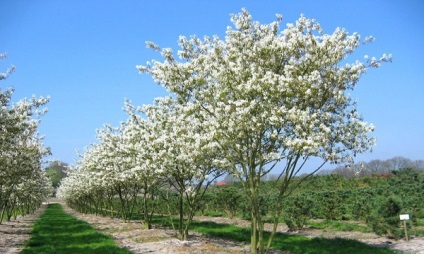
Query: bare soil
[{"x": 13, "y": 236}]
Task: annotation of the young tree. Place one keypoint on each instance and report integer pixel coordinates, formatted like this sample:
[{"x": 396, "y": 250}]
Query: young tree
[
  {"x": 385, "y": 219},
  {"x": 183, "y": 153},
  {"x": 137, "y": 140},
  {"x": 270, "y": 99}
]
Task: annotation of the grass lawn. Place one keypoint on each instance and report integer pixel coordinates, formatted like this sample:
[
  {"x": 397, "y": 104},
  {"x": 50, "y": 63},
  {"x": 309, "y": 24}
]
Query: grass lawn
[{"x": 58, "y": 232}]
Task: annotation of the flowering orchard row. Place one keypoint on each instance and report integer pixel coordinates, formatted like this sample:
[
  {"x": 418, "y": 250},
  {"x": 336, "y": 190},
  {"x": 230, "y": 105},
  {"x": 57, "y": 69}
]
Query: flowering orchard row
[
  {"x": 23, "y": 185},
  {"x": 260, "y": 99},
  {"x": 134, "y": 159}
]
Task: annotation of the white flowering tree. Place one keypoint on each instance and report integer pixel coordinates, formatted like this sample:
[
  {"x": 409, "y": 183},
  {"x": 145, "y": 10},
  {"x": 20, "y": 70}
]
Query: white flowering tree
[
  {"x": 271, "y": 99},
  {"x": 137, "y": 137},
  {"x": 183, "y": 154},
  {"x": 21, "y": 152}
]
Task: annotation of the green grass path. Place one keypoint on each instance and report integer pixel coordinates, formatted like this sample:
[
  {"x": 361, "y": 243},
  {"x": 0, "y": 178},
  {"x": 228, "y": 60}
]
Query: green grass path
[{"x": 58, "y": 232}]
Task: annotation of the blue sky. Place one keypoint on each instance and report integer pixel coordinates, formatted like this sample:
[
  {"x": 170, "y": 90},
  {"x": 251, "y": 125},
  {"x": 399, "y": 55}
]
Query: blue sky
[{"x": 83, "y": 55}]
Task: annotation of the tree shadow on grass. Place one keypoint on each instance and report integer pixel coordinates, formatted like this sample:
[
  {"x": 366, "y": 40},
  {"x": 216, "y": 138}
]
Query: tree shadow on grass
[{"x": 292, "y": 243}]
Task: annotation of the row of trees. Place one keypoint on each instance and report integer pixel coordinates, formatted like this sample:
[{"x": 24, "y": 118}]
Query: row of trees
[
  {"x": 261, "y": 99},
  {"x": 23, "y": 184},
  {"x": 137, "y": 158}
]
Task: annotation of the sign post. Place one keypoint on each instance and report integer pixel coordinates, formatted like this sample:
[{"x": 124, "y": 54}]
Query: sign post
[{"x": 405, "y": 217}]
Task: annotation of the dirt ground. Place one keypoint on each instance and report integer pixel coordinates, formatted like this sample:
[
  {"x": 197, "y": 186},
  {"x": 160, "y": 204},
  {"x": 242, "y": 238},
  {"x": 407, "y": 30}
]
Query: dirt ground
[
  {"x": 15, "y": 233},
  {"x": 13, "y": 236}
]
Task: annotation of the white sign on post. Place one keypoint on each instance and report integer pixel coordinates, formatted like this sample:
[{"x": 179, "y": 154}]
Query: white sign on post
[{"x": 404, "y": 217}]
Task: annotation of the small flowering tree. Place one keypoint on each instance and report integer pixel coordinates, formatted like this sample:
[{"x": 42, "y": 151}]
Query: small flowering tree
[
  {"x": 137, "y": 141},
  {"x": 270, "y": 99},
  {"x": 183, "y": 154}
]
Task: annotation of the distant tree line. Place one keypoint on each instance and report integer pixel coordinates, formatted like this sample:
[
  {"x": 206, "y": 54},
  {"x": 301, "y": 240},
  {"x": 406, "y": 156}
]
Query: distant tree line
[
  {"x": 56, "y": 171},
  {"x": 359, "y": 169},
  {"x": 376, "y": 167}
]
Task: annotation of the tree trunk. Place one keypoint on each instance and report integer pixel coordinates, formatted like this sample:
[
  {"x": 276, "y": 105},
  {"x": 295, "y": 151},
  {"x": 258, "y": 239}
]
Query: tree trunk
[
  {"x": 261, "y": 235},
  {"x": 181, "y": 212},
  {"x": 3, "y": 211},
  {"x": 253, "y": 236},
  {"x": 146, "y": 212}
]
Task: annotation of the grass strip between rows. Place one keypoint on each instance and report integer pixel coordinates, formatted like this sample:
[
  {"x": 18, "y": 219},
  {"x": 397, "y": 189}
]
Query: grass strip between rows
[
  {"x": 296, "y": 244},
  {"x": 292, "y": 243},
  {"x": 59, "y": 232}
]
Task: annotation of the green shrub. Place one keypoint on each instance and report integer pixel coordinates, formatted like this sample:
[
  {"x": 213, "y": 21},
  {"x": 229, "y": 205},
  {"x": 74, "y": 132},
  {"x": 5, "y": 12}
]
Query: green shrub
[
  {"x": 385, "y": 219},
  {"x": 298, "y": 211},
  {"x": 228, "y": 200},
  {"x": 331, "y": 204},
  {"x": 363, "y": 204}
]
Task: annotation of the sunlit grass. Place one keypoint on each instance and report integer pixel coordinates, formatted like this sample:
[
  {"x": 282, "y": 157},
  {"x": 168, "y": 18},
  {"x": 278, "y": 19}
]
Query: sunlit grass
[
  {"x": 285, "y": 242},
  {"x": 58, "y": 232},
  {"x": 292, "y": 243}
]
